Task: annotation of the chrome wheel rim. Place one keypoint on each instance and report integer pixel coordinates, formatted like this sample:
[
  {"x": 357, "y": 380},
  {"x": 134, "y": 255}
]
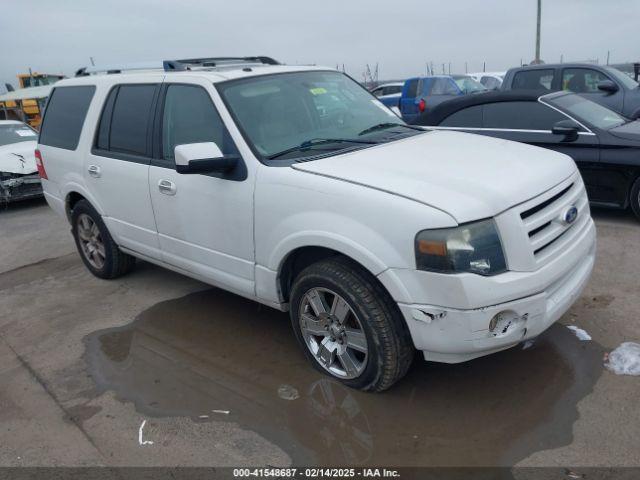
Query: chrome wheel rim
[
  {"x": 333, "y": 333},
  {"x": 91, "y": 243}
]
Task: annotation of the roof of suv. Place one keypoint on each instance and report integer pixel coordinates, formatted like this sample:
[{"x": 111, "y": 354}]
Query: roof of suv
[
  {"x": 212, "y": 74},
  {"x": 542, "y": 66}
]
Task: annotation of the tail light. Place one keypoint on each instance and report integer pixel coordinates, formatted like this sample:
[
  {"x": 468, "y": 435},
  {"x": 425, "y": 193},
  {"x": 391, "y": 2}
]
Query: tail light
[
  {"x": 41, "y": 171},
  {"x": 422, "y": 105}
]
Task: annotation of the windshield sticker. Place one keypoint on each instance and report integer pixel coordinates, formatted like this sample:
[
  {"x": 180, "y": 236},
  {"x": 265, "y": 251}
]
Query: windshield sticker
[
  {"x": 26, "y": 133},
  {"x": 382, "y": 107},
  {"x": 318, "y": 91}
]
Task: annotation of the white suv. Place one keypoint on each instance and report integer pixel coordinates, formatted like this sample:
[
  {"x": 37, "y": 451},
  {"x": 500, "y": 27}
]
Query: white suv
[{"x": 297, "y": 188}]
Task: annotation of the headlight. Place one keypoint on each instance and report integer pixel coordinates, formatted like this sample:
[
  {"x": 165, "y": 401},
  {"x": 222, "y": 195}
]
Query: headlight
[{"x": 473, "y": 247}]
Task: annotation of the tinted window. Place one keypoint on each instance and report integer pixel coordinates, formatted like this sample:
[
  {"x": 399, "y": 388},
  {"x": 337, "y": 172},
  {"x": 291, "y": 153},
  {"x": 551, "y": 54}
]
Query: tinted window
[
  {"x": 582, "y": 80},
  {"x": 467, "y": 117},
  {"x": 102, "y": 141},
  {"x": 391, "y": 89},
  {"x": 378, "y": 91},
  {"x": 130, "y": 119},
  {"x": 412, "y": 88},
  {"x": 64, "y": 116},
  {"x": 190, "y": 117},
  {"x": 538, "y": 79},
  {"x": 520, "y": 116}
]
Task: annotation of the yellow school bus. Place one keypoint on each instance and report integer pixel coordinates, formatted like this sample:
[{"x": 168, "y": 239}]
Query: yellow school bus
[{"x": 26, "y": 107}]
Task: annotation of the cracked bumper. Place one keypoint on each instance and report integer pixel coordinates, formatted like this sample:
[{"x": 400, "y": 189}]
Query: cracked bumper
[
  {"x": 455, "y": 335},
  {"x": 20, "y": 187}
]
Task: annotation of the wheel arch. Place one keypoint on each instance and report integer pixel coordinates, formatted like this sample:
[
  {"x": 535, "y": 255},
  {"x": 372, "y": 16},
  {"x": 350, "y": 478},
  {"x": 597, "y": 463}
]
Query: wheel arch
[
  {"x": 302, "y": 256},
  {"x": 75, "y": 193}
]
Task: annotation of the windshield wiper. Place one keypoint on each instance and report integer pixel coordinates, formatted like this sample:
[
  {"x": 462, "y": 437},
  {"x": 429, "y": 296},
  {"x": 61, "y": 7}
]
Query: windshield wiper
[
  {"x": 382, "y": 126},
  {"x": 308, "y": 144}
]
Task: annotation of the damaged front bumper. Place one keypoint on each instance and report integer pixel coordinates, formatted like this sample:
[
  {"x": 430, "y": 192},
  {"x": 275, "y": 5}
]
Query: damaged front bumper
[
  {"x": 540, "y": 298},
  {"x": 14, "y": 187}
]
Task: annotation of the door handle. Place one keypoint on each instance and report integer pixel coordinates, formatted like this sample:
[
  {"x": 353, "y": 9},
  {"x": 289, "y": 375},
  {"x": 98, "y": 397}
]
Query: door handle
[
  {"x": 167, "y": 187},
  {"x": 94, "y": 171}
]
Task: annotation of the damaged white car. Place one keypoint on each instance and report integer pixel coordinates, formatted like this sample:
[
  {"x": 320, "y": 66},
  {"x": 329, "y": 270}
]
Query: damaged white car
[{"x": 19, "y": 178}]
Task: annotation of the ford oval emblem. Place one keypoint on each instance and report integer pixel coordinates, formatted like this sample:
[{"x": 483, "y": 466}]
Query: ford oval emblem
[{"x": 570, "y": 214}]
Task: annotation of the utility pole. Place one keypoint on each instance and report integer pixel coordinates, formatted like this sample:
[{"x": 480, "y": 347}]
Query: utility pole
[
  {"x": 608, "y": 57},
  {"x": 537, "y": 59}
]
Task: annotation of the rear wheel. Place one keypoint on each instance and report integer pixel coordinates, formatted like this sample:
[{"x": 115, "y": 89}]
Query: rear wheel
[
  {"x": 348, "y": 325},
  {"x": 97, "y": 249},
  {"x": 635, "y": 198}
]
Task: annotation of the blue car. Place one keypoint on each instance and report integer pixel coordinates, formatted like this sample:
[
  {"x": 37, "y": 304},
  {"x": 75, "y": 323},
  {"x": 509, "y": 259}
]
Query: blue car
[{"x": 422, "y": 93}]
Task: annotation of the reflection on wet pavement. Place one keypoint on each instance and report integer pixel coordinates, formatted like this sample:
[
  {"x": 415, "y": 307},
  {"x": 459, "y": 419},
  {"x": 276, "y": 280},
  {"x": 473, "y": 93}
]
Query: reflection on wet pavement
[{"x": 212, "y": 350}]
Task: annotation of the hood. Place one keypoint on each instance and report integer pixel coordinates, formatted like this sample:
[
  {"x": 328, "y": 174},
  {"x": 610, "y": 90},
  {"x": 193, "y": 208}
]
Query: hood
[
  {"x": 468, "y": 176},
  {"x": 628, "y": 131},
  {"x": 18, "y": 158}
]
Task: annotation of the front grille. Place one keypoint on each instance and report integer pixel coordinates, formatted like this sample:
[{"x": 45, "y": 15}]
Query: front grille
[{"x": 543, "y": 221}]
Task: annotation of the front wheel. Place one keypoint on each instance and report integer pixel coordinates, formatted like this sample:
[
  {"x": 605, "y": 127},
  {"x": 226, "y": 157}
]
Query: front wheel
[
  {"x": 634, "y": 198},
  {"x": 348, "y": 325}
]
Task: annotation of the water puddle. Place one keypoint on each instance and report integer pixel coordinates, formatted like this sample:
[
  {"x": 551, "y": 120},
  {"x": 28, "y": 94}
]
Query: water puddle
[{"x": 212, "y": 352}]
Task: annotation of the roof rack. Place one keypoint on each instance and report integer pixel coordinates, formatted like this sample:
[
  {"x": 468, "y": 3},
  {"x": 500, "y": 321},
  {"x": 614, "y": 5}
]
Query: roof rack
[
  {"x": 178, "y": 65},
  {"x": 212, "y": 62}
]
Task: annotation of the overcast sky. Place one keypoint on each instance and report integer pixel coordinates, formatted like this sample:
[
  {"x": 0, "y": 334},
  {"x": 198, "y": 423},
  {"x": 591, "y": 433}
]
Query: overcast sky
[{"x": 400, "y": 35}]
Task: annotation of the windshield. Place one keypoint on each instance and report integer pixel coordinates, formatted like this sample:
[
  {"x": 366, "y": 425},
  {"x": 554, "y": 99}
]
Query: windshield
[
  {"x": 468, "y": 84},
  {"x": 294, "y": 115},
  {"x": 623, "y": 78},
  {"x": 587, "y": 111},
  {"x": 14, "y": 133}
]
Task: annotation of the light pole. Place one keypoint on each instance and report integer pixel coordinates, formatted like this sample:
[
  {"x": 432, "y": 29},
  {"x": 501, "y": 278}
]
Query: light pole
[{"x": 537, "y": 59}]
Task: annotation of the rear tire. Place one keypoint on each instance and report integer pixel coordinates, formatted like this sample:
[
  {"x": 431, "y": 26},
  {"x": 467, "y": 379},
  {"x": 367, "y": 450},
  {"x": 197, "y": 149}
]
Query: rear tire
[
  {"x": 96, "y": 247},
  {"x": 361, "y": 339},
  {"x": 634, "y": 198}
]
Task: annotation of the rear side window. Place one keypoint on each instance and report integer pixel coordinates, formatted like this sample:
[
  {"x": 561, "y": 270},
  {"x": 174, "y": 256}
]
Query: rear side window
[
  {"x": 538, "y": 79},
  {"x": 520, "y": 116},
  {"x": 64, "y": 116},
  {"x": 130, "y": 119},
  {"x": 470, "y": 117},
  {"x": 412, "y": 88},
  {"x": 443, "y": 86}
]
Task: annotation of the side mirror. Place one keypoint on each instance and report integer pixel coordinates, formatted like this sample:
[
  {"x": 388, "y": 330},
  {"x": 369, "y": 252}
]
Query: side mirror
[
  {"x": 568, "y": 128},
  {"x": 608, "y": 86},
  {"x": 203, "y": 157}
]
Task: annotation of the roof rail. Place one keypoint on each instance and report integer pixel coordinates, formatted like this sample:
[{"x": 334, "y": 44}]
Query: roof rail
[
  {"x": 177, "y": 65},
  {"x": 187, "y": 64},
  {"x": 85, "y": 71}
]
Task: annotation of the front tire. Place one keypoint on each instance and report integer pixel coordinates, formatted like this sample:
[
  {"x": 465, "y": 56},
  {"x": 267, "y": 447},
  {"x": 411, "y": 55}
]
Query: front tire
[
  {"x": 96, "y": 247},
  {"x": 634, "y": 198},
  {"x": 348, "y": 325}
]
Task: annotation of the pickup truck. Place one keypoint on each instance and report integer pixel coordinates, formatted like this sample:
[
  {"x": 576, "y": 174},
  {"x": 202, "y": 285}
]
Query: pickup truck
[{"x": 601, "y": 84}]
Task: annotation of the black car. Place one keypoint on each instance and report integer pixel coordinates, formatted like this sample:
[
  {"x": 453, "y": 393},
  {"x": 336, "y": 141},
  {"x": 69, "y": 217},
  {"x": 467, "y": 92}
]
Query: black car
[
  {"x": 604, "y": 144},
  {"x": 602, "y": 84}
]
